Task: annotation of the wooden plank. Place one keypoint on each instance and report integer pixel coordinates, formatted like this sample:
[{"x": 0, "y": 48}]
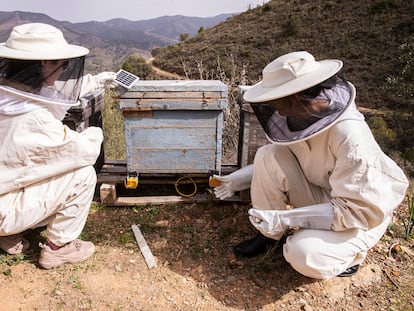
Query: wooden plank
[
  {"x": 133, "y": 113},
  {"x": 180, "y": 86},
  {"x": 113, "y": 169},
  {"x": 117, "y": 175},
  {"x": 172, "y": 104},
  {"x": 131, "y": 201},
  {"x": 115, "y": 162},
  {"x": 119, "y": 179},
  {"x": 143, "y": 246},
  {"x": 169, "y": 94},
  {"x": 142, "y": 201},
  {"x": 110, "y": 179}
]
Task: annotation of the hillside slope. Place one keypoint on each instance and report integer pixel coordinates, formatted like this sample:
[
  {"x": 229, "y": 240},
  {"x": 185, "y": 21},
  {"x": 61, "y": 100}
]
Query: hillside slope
[{"x": 365, "y": 34}]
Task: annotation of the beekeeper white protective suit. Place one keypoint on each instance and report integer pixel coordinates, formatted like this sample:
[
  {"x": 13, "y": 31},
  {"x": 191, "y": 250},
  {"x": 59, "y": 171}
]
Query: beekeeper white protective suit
[
  {"x": 328, "y": 167},
  {"x": 47, "y": 174},
  {"x": 47, "y": 171}
]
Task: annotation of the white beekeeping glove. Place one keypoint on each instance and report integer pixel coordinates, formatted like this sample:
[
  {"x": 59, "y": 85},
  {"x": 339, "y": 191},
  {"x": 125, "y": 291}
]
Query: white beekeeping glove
[
  {"x": 106, "y": 79},
  {"x": 274, "y": 222},
  {"x": 236, "y": 181},
  {"x": 92, "y": 83}
]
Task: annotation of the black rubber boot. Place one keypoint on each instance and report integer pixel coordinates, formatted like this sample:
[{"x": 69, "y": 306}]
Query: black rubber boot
[
  {"x": 254, "y": 246},
  {"x": 349, "y": 272}
]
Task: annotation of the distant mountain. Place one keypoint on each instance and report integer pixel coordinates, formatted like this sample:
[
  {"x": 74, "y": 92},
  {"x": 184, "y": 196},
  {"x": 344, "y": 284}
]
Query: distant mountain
[
  {"x": 110, "y": 42},
  {"x": 162, "y": 30}
]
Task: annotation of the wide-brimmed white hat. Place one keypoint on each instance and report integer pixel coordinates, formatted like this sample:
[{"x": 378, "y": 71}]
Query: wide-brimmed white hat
[
  {"x": 290, "y": 74},
  {"x": 38, "y": 41}
]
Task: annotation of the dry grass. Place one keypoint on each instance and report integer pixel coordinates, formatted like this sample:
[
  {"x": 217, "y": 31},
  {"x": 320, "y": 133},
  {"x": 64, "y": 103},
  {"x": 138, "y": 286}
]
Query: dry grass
[{"x": 113, "y": 126}]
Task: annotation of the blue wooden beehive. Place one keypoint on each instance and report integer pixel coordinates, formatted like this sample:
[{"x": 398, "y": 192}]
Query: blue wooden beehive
[{"x": 174, "y": 126}]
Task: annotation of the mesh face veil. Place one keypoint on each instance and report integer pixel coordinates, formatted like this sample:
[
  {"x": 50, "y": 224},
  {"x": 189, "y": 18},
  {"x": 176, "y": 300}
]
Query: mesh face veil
[
  {"x": 50, "y": 81},
  {"x": 286, "y": 130}
]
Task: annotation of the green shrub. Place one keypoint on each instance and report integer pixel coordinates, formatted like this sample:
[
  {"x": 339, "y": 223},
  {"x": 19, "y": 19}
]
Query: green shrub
[
  {"x": 293, "y": 25},
  {"x": 138, "y": 66},
  {"x": 384, "y": 135},
  {"x": 184, "y": 36}
]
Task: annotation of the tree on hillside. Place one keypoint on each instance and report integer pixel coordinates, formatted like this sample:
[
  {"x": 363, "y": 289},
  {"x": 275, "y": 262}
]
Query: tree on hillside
[
  {"x": 138, "y": 66},
  {"x": 184, "y": 36}
]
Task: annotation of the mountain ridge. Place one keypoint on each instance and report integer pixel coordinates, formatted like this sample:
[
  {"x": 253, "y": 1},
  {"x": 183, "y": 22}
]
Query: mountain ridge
[{"x": 110, "y": 42}]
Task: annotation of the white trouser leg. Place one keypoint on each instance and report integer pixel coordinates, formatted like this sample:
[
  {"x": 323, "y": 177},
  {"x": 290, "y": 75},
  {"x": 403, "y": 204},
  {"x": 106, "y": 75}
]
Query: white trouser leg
[
  {"x": 323, "y": 254},
  {"x": 61, "y": 202}
]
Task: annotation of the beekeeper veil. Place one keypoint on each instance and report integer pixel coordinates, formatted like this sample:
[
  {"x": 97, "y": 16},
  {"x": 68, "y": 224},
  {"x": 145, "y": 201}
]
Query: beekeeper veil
[
  {"x": 299, "y": 73},
  {"x": 39, "y": 66}
]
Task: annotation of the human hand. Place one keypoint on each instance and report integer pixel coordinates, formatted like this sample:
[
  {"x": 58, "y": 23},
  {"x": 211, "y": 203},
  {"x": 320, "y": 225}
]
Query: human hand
[
  {"x": 225, "y": 189},
  {"x": 268, "y": 222},
  {"x": 106, "y": 79},
  {"x": 236, "y": 181},
  {"x": 274, "y": 222}
]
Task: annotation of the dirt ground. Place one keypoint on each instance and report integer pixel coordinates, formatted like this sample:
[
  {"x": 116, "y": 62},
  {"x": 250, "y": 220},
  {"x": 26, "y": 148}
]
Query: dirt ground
[{"x": 196, "y": 268}]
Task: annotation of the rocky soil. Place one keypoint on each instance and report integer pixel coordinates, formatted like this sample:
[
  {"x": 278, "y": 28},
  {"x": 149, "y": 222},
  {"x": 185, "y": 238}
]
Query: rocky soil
[{"x": 196, "y": 269}]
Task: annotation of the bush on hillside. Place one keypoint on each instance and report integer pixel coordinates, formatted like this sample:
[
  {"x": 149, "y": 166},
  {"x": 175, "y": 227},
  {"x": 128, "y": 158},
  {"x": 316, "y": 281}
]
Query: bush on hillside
[
  {"x": 138, "y": 66},
  {"x": 383, "y": 134}
]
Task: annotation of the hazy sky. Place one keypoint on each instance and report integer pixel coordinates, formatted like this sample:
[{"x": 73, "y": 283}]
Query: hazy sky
[{"x": 102, "y": 10}]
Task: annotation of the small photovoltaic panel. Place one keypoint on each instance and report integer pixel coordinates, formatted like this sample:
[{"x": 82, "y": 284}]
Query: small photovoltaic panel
[{"x": 125, "y": 78}]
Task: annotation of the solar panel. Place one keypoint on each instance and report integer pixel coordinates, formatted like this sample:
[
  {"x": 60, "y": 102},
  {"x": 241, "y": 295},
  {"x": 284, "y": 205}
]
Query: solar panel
[{"x": 125, "y": 78}]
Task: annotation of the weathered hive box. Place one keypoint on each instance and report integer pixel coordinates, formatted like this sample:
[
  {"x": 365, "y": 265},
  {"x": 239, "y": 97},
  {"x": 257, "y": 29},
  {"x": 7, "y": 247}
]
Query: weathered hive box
[
  {"x": 87, "y": 113},
  {"x": 174, "y": 126},
  {"x": 252, "y": 135}
]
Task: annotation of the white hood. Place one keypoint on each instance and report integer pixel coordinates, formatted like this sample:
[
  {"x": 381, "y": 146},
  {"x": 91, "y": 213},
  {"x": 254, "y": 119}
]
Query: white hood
[{"x": 16, "y": 102}]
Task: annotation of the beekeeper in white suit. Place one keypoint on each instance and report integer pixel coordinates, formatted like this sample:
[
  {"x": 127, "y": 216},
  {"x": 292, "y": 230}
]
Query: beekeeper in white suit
[
  {"x": 47, "y": 175},
  {"x": 324, "y": 162}
]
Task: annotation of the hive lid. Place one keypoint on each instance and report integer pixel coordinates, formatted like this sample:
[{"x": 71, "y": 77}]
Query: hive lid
[{"x": 179, "y": 86}]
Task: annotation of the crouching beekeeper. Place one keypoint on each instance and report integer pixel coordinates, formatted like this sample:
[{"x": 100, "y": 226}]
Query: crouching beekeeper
[
  {"x": 324, "y": 173},
  {"x": 46, "y": 169}
]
